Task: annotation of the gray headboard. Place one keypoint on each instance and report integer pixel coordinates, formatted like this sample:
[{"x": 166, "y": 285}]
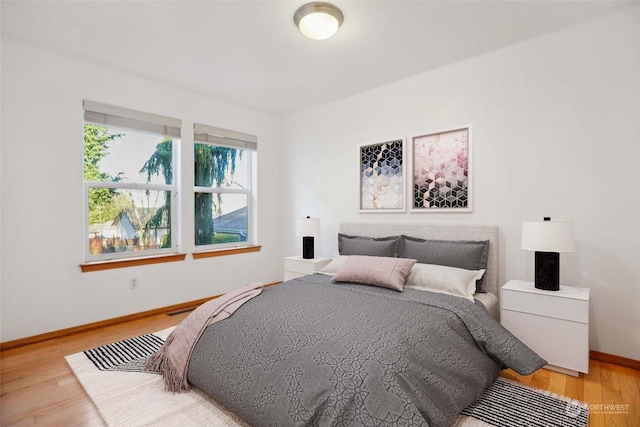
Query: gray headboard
[{"x": 436, "y": 232}]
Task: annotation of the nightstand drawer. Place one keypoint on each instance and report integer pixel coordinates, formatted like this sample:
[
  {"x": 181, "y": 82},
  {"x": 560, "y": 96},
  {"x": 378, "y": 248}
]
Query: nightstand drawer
[
  {"x": 295, "y": 266},
  {"x": 561, "y": 343},
  {"x": 549, "y": 305},
  {"x": 299, "y": 266}
]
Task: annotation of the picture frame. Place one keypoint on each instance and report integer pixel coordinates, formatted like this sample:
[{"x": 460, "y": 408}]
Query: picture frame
[
  {"x": 382, "y": 176},
  {"x": 441, "y": 171}
]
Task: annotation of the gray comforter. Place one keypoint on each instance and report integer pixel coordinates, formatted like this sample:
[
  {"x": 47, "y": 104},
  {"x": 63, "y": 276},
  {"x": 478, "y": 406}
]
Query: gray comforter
[{"x": 311, "y": 352}]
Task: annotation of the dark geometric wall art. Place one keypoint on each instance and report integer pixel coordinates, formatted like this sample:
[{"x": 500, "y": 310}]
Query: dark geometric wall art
[
  {"x": 441, "y": 171},
  {"x": 382, "y": 177}
]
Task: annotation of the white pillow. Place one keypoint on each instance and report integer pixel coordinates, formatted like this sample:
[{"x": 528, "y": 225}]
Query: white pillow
[
  {"x": 447, "y": 280},
  {"x": 336, "y": 263}
]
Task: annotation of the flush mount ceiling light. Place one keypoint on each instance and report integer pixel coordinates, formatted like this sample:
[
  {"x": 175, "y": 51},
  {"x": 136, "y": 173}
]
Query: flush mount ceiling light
[{"x": 318, "y": 20}]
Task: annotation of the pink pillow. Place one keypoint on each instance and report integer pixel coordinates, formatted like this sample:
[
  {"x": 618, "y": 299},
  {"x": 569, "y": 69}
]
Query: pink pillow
[{"x": 374, "y": 270}]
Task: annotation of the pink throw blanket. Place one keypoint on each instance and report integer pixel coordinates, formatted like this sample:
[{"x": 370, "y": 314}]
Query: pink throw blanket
[{"x": 172, "y": 359}]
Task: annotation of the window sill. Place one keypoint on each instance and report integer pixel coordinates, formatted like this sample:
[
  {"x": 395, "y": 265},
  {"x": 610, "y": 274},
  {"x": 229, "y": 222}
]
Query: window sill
[
  {"x": 133, "y": 262},
  {"x": 226, "y": 251},
  {"x": 130, "y": 262}
]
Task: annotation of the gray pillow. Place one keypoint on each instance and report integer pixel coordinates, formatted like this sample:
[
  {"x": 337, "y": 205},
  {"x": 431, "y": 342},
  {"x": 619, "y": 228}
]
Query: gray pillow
[
  {"x": 369, "y": 246},
  {"x": 468, "y": 254}
]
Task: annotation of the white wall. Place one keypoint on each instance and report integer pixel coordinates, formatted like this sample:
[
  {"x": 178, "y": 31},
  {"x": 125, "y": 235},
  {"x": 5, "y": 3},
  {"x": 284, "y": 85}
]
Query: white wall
[
  {"x": 556, "y": 132},
  {"x": 42, "y": 287}
]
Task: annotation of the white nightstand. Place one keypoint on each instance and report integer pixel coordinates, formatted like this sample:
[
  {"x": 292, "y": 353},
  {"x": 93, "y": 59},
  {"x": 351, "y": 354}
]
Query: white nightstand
[
  {"x": 554, "y": 324},
  {"x": 296, "y": 266}
]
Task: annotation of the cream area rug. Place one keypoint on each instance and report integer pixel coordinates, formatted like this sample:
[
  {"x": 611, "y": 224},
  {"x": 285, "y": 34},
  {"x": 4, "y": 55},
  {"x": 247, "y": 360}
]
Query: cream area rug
[
  {"x": 124, "y": 395},
  {"x": 138, "y": 398}
]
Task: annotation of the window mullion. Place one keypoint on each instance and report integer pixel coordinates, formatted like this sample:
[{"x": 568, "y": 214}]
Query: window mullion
[
  {"x": 221, "y": 190},
  {"x": 129, "y": 185}
]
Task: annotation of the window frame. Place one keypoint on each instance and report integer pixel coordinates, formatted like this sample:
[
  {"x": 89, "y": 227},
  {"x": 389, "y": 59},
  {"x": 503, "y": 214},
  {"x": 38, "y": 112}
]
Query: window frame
[
  {"x": 214, "y": 136},
  {"x": 124, "y": 119}
]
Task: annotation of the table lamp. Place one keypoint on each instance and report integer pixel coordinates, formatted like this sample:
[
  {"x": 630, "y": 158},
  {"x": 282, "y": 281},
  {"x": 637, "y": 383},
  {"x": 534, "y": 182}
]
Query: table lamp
[
  {"x": 308, "y": 228},
  {"x": 547, "y": 238}
]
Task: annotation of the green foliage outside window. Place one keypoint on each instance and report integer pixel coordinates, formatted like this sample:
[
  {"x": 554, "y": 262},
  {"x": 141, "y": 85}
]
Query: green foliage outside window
[
  {"x": 212, "y": 165},
  {"x": 104, "y": 203},
  {"x": 161, "y": 163}
]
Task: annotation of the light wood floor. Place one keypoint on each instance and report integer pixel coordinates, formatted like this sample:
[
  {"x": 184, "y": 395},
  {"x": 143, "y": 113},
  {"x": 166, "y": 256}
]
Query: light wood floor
[{"x": 38, "y": 387}]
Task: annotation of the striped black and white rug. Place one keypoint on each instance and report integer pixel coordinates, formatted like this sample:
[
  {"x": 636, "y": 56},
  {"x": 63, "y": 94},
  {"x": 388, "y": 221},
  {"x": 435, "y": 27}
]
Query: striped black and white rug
[
  {"x": 128, "y": 355},
  {"x": 504, "y": 404},
  {"x": 509, "y": 404}
]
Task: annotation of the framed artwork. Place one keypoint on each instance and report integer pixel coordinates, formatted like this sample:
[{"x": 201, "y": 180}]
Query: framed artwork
[
  {"x": 441, "y": 171},
  {"x": 382, "y": 177}
]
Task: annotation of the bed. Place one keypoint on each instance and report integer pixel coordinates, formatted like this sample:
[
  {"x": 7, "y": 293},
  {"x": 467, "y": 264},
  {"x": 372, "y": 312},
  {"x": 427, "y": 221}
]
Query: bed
[{"x": 319, "y": 351}]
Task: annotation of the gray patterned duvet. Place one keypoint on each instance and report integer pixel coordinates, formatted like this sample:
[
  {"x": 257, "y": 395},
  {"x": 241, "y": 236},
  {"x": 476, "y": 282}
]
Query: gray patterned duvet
[{"x": 310, "y": 352}]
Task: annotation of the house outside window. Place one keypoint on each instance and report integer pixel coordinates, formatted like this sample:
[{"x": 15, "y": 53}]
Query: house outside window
[
  {"x": 224, "y": 199},
  {"x": 130, "y": 189}
]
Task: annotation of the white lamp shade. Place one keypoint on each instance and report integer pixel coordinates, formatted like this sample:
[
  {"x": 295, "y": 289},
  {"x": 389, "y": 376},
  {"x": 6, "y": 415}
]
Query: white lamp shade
[
  {"x": 308, "y": 227},
  {"x": 548, "y": 236}
]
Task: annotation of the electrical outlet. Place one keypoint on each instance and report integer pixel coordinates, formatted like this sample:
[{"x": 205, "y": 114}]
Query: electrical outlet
[{"x": 133, "y": 284}]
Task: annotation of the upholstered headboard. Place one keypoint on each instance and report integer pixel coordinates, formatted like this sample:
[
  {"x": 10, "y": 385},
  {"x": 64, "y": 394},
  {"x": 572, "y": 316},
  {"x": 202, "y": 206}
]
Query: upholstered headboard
[{"x": 435, "y": 232}]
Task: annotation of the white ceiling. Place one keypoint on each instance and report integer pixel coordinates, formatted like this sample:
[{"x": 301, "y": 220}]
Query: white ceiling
[{"x": 251, "y": 53}]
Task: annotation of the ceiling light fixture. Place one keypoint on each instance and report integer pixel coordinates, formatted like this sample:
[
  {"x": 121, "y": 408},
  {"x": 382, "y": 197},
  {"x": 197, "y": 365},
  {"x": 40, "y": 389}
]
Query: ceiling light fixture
[{"x": 318, "y": 20}]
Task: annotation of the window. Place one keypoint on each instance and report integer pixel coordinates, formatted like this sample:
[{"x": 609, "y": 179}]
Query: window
[
  {"x": 129, "y": 186},
  {"x": 223, "y": 195}
]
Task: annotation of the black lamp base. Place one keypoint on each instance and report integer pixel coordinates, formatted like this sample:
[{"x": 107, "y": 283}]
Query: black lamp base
[
  {"x": 307, "y": 247},
  {"x": 547, "y": 271}
]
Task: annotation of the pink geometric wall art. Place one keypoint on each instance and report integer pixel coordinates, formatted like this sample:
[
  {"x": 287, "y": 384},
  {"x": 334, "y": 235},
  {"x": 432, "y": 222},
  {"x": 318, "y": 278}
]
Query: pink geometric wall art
[{"x": 441, "y": 171}]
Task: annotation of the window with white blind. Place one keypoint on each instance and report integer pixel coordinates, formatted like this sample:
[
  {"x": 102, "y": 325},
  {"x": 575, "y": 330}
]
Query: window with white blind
[
  {"x": 129, "y": 182},
  {"x": 223, "y": 193}
]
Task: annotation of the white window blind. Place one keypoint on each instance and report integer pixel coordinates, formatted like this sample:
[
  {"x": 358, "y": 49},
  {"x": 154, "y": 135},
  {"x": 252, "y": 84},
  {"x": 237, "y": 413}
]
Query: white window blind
[
  {"x": 224, "y": 137},
  {"x": 109, "y": 115}
]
